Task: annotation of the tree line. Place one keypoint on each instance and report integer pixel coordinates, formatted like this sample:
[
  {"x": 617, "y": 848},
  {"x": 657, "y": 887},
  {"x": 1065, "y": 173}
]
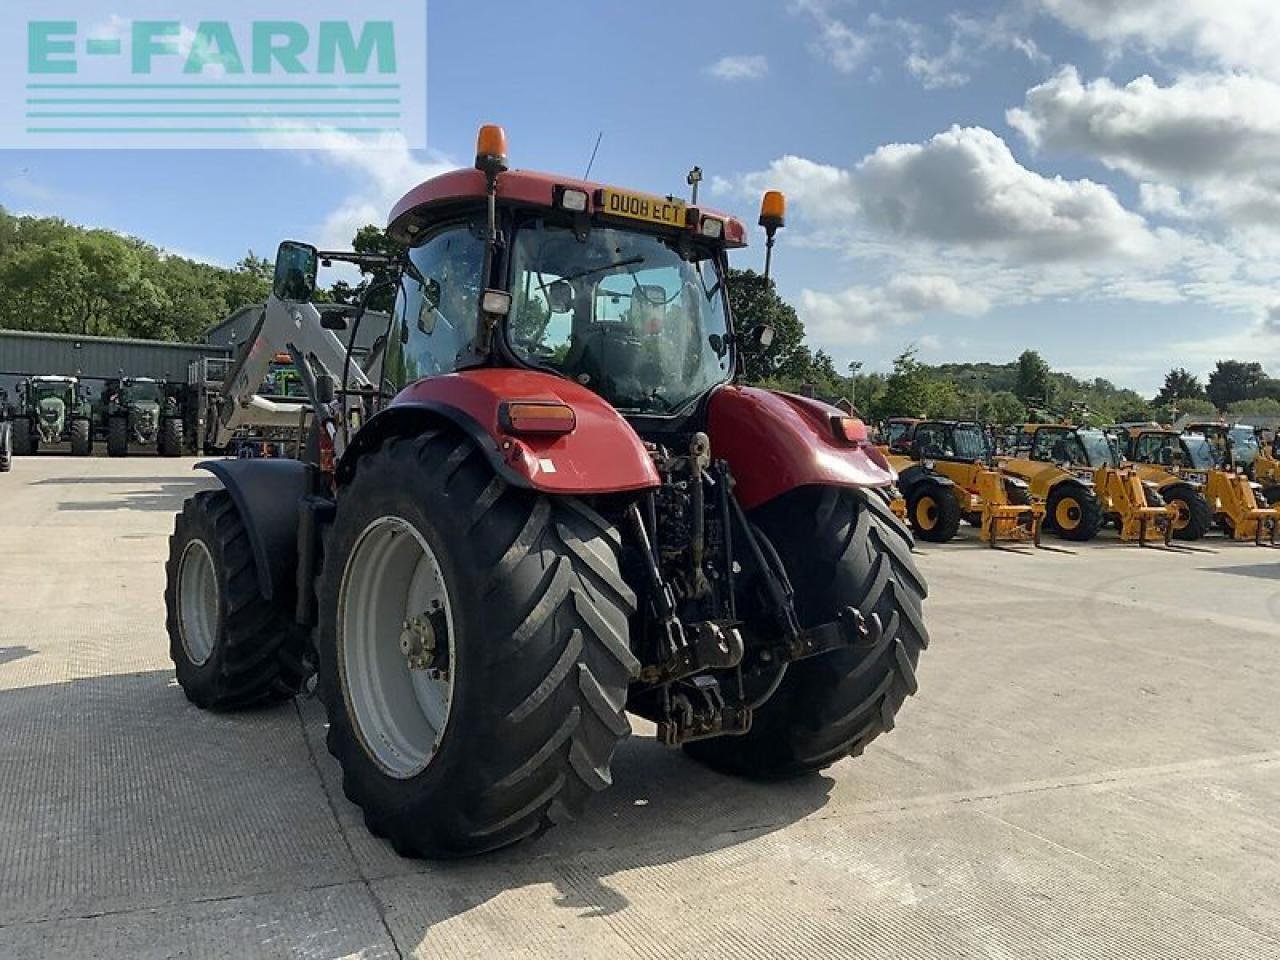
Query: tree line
[
  {"x": 62, "y": 278},
  {"x": 996, "y": 392}
]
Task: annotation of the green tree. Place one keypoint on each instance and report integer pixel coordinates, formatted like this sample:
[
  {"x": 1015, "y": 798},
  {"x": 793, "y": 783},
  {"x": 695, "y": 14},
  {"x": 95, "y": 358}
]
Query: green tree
[
  {"x": 1233, "y": 381},
  {"x": 1180, "y": 384},
  {"x": 1257, "y": 407},
  {"x": 755, "y": 302},
  {"x": 1004, "y": 407},
  {"x": 1033, "y": 381},
  {"x": 909, "y": 389}
]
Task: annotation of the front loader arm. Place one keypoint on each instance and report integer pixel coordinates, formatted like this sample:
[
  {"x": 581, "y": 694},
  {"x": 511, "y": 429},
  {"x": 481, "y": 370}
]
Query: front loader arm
[{"x": 284, "y": 327}]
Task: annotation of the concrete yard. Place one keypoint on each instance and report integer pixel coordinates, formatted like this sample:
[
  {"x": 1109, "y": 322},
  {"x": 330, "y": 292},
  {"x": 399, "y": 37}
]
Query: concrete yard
[{"x": 1090, "y": 769}]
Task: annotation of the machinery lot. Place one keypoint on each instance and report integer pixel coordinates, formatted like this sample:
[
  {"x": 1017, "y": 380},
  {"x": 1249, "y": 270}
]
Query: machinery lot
[{"x": 1090, "y": 769}]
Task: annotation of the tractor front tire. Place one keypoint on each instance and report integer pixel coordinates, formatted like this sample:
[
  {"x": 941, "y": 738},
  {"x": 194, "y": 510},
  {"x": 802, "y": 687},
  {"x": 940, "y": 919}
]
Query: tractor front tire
[
  {"x": 1194, "y": 518},
  {"x": 840, "y": 548},
  {"x": 473, "y": 649},
  {"x": 6, "y": 447},
  {"x": 1271, "y": 495},
  {"x": 118, "y": 437},
  {"x": 934, "y": 512},
  {"x": 231, "y": 647},
  {"x": 25, "y": 443},
  {"x": 1073, "y": 512},
  {"x": 171, "y": 438},
  {"x": 81, "y": 438}
]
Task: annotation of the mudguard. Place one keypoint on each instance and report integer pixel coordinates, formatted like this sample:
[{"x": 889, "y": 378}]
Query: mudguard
[
  {"x": 603, "y": 454},
  {"x": 775, "y": 442},
  {"x": 267, "y": 493}
]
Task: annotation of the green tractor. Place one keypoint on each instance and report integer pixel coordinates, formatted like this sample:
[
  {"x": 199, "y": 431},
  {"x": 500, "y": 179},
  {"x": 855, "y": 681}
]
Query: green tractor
[
  {"x": 52, "y": 410},
  {"x": 139, "y": 410}
]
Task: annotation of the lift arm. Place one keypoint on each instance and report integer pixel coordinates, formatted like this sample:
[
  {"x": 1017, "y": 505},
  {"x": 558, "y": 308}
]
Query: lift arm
[{"x": 285, "y": 327}]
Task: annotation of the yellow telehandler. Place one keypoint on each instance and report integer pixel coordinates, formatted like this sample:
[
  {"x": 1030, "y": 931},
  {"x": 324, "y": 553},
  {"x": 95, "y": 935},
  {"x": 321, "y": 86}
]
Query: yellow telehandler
[
  {"x": 1204, "y": 489},
  {"x": 945, "y": 476},
  {"x": 1054, "y": 456}
]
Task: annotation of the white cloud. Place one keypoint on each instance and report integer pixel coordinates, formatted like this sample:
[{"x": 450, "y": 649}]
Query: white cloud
[
  {"x": 1216, "y": 136},
  {"x": 1234, "y": 34},
  {"x": 969, "y": 41},
  {"x": 860, "y": 314},
  {"x": 382, "y": 170},
  {"x": 964, "y": 188},
  {"x": 1198, "y": 126},
  {"x": 739, "y": 67},
  {"x": 844, "y": 48}
]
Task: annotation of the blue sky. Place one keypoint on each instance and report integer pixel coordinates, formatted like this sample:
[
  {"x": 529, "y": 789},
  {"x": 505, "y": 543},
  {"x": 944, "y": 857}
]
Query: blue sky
[{"x": 1119, "y": 225}]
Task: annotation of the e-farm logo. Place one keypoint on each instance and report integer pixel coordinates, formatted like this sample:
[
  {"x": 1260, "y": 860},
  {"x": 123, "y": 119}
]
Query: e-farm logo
[{"x": 144, "y": 76}]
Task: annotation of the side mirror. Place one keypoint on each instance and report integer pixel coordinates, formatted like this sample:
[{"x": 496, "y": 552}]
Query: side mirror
[
  {"x": 325, "y": 389},
  {"x": 296, "y": 267},
  {"x": 762, "y": 336}
]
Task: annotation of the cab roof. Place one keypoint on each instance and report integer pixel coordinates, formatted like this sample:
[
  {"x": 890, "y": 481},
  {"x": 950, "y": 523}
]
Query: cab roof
[{"x": 515, "y": 186}]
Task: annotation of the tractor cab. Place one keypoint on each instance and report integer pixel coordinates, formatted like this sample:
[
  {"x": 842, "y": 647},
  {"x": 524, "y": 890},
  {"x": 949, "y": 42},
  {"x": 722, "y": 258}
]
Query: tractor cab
[
  {"x": 1232, "y": 446},
  {"x": 1187, "y": 455}
]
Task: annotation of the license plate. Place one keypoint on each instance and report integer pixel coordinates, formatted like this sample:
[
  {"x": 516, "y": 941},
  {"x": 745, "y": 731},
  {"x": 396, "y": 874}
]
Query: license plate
[{"x": 639, "y": 206}]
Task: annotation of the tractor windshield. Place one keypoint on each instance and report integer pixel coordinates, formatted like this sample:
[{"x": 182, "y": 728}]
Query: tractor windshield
[
  {"x": 1199, "y": 453},
  {"x": 144, "y": 392},
  {"x": 623, "y": 313},
  {"x": 1098, "y": 449},
  {"x": 1060, "y": 445},
  {"x": 968, "y": 442}
]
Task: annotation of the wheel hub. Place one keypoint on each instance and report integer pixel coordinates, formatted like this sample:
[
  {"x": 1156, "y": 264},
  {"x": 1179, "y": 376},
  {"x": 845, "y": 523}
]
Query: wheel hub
[{"x": 396, "y": 646}]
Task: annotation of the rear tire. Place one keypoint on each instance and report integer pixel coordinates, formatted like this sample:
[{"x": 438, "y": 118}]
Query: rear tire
[
  {"x": 1073, "y": 512},
  {"x": 231, "y": 646},
  {"x": 171, "y": 438},
  {"x": 537, "y": 666},
  {"x": 118, "y": 437},
  {"x": 1194, "y": 518},
  {"x": 840, "y": 548},
  {"x": 81, "y": 438},
  {"x": 934, "y": 512},
  {"x": 6, "y": 447},
  {"x": 25, "y": 443}
]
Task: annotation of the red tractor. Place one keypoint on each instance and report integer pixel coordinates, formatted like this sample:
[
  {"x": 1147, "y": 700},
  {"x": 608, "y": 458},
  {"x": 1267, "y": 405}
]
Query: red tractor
[{"x": 550, "y": 506}]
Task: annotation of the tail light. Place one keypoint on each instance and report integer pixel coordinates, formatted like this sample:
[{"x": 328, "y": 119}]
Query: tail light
[
  {"x": 537, "y": 416},
  {"x": 849, "y": 429}
]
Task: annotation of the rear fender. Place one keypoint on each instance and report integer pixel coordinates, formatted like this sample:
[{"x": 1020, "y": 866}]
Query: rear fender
[
  {"x": 268, "y": 494},
  {"x": 775, "y": 442},
  {"x": 602, "y": 454}
]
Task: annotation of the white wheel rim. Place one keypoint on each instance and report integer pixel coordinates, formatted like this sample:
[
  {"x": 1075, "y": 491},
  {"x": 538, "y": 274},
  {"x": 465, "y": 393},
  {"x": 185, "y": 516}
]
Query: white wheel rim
[
  {"x": 197, "y": 602},
  {"x": 399, "y": 713}
]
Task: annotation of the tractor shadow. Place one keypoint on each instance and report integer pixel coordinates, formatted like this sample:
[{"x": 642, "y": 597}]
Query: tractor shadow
[
  {"x": 159, "y": 494},
  {"x": 661, "y": 810}
]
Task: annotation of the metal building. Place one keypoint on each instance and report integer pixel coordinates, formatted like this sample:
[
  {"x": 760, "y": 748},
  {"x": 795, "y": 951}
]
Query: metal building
[{"x": 95, "y": 359}]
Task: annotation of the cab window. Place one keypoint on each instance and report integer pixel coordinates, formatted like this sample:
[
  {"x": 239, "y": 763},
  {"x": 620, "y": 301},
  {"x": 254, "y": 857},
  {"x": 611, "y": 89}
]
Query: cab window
[{"x": 436, "y": 312}]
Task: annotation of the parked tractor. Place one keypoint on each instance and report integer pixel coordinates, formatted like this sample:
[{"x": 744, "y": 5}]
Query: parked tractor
[
  {"x": 1203, "y": 489},
  {"x": 141, "y": 411},
  {"x": 6, "y": 433},
  {"x": 555, "y": 506},
  {"x": 1266, "y": 467},
  {"x": 52, "y": 410},
  {"x": 1085, "y": 467},
  {"x": 945, "y": 475}
]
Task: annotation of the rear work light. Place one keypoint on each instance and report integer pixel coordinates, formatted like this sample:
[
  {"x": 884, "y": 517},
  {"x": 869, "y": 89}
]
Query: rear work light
[
  {"x": 849, "y": 429},
  {"x": 537, "y": 416},
  {"x": 575, "y": 201},
  {"x": 712, "y": 228}
]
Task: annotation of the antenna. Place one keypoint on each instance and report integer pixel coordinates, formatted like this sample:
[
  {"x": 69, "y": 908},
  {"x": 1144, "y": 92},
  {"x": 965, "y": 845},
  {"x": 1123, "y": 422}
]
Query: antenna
[{"x": 594, "y": 150}]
